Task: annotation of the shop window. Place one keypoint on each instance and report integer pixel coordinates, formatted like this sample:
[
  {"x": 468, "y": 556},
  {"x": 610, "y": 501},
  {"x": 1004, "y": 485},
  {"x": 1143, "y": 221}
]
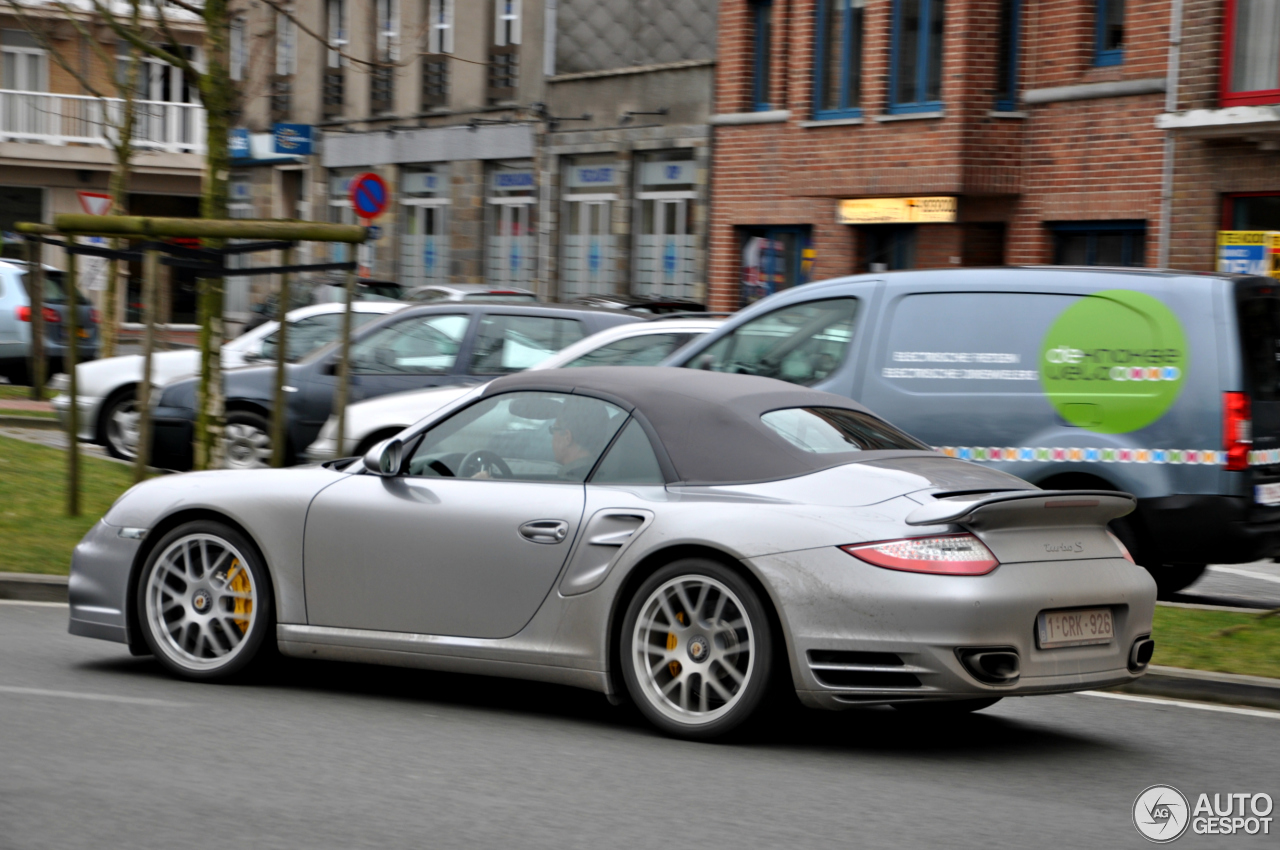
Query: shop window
[
  {"x": 1007, "y": 55},
  {"x": 916, "y": 75},
  {"x": 888, "y": 247},
  {"x": 1251, "y": 212},
  {"x": 837, "y": 75},
  {"x": 1251, "y": 53},
  {"x": 1108, "y": 37},
  {"x": 761, "y": 53},
  {"x": 774, "y": 259},
  {"x": 512, "y": 197},
  {"x": 1099, "y": 243},
  {"x": 667, "y": 255}
]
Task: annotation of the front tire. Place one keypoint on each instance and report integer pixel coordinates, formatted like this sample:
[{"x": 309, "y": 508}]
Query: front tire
[
  {"x": 696, "y": 649},
  {"x": 205, "y": 602}
]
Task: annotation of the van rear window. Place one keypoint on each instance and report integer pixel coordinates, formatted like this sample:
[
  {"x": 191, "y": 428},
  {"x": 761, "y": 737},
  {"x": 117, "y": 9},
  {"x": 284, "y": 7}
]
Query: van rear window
[{"x": 1260, "y": 339}]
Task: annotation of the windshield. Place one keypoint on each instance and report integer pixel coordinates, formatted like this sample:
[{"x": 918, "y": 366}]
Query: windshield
[
  {"x": 1260, "y": 339},
  {"x": 802, "y": 343}
]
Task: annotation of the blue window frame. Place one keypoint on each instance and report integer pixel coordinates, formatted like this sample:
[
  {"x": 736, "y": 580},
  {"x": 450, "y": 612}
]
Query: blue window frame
[
  {"x": 837, "y": 71},
  {"x": 762, "y": 55},
  {"x": 1108, "y": 35},
  {"x": 1099, "y": 243},
  {"x": 915, "y": 78},
  {"x": 1007, "y": 55}
]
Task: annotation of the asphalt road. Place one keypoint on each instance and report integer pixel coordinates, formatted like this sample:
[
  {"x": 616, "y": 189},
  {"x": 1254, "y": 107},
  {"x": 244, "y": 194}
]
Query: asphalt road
[{"x": 98, "y": 749}]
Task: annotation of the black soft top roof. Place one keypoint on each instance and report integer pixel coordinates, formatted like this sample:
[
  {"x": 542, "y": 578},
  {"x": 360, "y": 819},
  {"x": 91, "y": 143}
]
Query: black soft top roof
[{"x": 708, "y": 422}]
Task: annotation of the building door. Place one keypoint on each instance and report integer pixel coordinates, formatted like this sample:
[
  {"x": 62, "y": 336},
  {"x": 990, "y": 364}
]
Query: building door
[
  {"x": 588, "y": 248},
  {"x": 511, "y": 255},
  {"x": 424, "y": 245},
  {"x": 667, "y": 249}
]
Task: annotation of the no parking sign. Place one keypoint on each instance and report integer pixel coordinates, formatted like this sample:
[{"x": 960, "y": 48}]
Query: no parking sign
[{"x": 369, "y": 195}]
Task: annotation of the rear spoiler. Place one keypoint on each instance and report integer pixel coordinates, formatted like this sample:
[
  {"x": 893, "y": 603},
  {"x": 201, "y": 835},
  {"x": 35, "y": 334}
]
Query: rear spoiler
[{"x": 1028, "y": 508}]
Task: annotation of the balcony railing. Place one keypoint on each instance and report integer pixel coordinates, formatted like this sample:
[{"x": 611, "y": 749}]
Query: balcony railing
[{"x": 71, "y": 119}]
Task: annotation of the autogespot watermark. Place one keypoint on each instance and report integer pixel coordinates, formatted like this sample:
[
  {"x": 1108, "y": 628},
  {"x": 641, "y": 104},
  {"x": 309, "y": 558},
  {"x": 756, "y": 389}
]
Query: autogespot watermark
[{"x": 1162, "y": 814}]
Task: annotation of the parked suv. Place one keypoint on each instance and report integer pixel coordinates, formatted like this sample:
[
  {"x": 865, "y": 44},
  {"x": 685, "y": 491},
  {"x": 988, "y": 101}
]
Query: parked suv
[
  {"x": 424, "y": 346},
  {"x": 15, "y": 322},
  {"x": 1162, "y": 384}
]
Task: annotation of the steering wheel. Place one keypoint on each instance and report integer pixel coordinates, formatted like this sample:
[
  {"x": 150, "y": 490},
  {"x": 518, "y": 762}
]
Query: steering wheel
[{"x": 483, "y": 460}]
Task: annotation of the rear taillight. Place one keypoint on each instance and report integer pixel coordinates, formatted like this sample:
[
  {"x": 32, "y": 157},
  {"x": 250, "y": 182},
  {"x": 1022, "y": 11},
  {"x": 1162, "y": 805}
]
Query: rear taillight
[
  {"x": 951, "y": 554},
  {"x": 1124, "y": 550},
  {"x": 93, "y": 315},
  {"x": 1237, "y": 430},
  {"x": 50, "y": 315}
]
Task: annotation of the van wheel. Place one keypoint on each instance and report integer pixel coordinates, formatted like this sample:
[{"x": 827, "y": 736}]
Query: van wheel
[{"x": 1170, "y": 578}]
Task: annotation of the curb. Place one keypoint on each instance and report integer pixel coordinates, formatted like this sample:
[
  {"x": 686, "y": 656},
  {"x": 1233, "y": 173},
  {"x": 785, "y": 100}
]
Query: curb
[
  {"x": 43, "y": 423},
  {"x": 33, "y": 587},
  {"x": 1204, "y": 686}
]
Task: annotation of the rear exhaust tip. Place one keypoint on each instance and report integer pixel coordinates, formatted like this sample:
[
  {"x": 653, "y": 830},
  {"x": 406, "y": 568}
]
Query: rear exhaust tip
[
  {"x": 1140, "y": 654},
  {"x": 994, "y": 665}
]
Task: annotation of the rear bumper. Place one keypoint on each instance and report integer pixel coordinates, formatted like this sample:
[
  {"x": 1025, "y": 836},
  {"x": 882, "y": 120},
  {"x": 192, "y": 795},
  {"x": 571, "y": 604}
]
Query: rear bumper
[
  {"x": 899, "y": 633},
  {"x": 1208, "y": 529}
]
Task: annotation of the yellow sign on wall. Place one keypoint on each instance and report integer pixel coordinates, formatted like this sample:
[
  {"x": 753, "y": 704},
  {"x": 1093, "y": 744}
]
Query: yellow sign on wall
[
  {"x": 940, "y": 210},
  {"x": 1249, "y": 252}
]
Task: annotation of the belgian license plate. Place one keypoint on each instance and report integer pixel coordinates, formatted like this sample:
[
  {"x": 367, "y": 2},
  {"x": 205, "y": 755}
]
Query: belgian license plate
[
  {"x": 1266, "y": 494},
  {"x": 1075, "y": 628}
]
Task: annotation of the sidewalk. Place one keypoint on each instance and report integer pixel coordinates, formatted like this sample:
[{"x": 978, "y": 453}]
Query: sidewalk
[{"x": 26, "y": 405}]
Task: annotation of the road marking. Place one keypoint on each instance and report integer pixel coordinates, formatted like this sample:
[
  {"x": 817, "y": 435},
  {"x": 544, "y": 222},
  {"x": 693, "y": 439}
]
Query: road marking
[
  {"x": 29, "y": 602},
  {"x": 1202, "y": 706},
  {"x": 41, "y": 692},
  {"x": 1236, "y": 571}
]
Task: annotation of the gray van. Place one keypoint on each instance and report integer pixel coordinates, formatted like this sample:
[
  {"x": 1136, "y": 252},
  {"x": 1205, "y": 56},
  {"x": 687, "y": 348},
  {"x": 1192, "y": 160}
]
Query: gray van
[
  {"x": 15, "y": 322},
  {"x": 1162, "y": 384}
]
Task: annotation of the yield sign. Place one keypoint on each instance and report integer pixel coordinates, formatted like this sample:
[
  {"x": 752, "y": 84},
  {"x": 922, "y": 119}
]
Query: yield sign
[{"x": 95, "y": 203}]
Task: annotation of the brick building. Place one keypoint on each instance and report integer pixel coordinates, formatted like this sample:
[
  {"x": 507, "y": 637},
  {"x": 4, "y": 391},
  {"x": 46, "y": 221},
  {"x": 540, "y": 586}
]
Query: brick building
[{"x": 942, "y": 132}]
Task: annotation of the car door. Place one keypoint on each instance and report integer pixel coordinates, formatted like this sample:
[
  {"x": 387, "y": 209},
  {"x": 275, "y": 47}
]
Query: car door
[{"x": 469, "y": 539}]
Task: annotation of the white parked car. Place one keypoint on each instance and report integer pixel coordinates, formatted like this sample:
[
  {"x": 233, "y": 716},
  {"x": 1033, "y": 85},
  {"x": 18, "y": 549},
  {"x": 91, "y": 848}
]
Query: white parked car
[
  {"x": 638, "y": 344},
  {"x": 107, "y": 389}
]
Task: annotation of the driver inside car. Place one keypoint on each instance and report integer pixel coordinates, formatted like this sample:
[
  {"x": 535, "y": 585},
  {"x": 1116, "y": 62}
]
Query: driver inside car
[{"x": 578, "y": 434}]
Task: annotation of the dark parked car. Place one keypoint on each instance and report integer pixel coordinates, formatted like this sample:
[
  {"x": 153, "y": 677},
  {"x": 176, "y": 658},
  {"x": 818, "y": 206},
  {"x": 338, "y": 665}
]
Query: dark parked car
[{"x": 429, "y": 346}]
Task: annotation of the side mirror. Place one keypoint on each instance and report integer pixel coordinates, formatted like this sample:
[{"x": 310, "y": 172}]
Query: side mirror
[{"x": 385, "y": 458}]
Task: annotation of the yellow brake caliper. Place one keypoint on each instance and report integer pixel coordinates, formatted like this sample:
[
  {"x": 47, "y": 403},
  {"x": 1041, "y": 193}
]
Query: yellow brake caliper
[
  {"x": 674, "y": 666},
  {"x": 238, "y": 582}
]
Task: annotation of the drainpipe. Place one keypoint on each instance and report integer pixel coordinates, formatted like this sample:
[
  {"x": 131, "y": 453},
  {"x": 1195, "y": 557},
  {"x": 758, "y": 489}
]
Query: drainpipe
[{"x": 1170, "y": 142}]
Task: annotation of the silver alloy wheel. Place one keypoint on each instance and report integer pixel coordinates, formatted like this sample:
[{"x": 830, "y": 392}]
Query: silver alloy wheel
[
  {"x": 122, "y": 427},
  {"x": 201, "y": 602},
  {"x": 246, "y": 446},
  {"x": 693, "y": 649}
]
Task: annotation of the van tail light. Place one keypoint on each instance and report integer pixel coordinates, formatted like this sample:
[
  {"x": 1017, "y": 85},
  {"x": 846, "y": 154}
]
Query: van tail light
[
  {"x": 1124, "y": 550},
  {"x": 950, "y": 555},
  {"x": 1237, "y": 430},
  {"x": 50, "y": 315}
]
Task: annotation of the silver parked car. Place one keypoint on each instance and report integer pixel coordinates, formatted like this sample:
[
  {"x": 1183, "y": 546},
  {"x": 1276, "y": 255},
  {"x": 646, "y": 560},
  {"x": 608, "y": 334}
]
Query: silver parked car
[
  {"x": 695, "y": 541},
  {"x": 106, "y": 390},
  {"x": 378, "y": 419},
  {"x": 15, "y": 322}
]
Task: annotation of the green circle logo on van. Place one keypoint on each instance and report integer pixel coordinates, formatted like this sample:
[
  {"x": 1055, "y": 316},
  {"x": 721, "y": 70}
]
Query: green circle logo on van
[{"x": 1114, "y": 361}]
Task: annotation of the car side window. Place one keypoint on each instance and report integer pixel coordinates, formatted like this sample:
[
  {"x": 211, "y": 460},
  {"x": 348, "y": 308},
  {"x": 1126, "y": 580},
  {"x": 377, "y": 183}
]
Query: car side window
[
  {"x": 419, "y": 345},
  {"x": 521, "y": 436},
  {"x": 508, "y": 343},
  {"x": 631, "y": 460},
  {"x": 643, "y": 350},
  {"x": 800, "y": 343}
]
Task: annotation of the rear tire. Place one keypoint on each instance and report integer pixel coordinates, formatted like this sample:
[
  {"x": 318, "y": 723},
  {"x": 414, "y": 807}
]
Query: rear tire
[
  {"x": 697, "y": 649},
  {"x": 947, "y": 708},
  {"x": 1171, "y": 578},
  {"x": 205, "y": 602},
  {"x": 120, "y": 425},
  {"x": 246, "y": 441}
]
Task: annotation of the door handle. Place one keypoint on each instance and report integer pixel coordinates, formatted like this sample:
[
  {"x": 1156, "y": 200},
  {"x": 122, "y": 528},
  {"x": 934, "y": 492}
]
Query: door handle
[{"x": 545, "y": 530}]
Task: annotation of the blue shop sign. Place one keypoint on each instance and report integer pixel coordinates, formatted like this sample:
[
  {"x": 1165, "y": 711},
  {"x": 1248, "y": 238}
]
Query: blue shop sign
[
  {"x": 293, "y": 139},
  {"x": 238, "y": 143}
]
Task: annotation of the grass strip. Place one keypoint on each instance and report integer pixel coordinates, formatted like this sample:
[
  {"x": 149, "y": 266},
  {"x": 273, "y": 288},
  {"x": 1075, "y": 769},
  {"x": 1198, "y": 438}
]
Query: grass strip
[
  {"x": 36, "y": 535},
  {"x": 37, "y": 414},
  {"x": 1221, "y": 641}
]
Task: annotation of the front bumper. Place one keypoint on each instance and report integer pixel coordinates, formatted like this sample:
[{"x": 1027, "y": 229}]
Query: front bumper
[
  {"x": 98, "y": 590},
  {"x": 860, "y": 635},
  {"x": 87, "y": 420}
]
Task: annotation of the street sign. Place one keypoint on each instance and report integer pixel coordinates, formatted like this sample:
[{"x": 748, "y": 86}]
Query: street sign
[
  {"x": 375, "y": 233},
  {"x": 369, "y": 195},
  {"x": 95, "y": 203}
]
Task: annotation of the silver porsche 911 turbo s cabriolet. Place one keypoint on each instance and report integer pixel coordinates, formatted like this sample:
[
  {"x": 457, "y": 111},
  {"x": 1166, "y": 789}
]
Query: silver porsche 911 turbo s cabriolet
[{"x": 691, "y": 540}]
